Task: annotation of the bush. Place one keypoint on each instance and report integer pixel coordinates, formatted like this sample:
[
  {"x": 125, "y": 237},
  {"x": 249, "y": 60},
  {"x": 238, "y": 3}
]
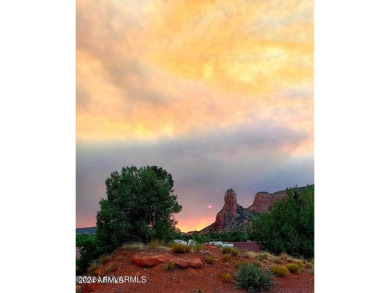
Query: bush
[
  {"x": 209, "y": 260},
  {"x": 226, "y": 277},
  {"x": 278, "y": 260},
  {"x": 226, "y": 250},
  {"x": 111, "y": 268},
  {"x": 227, "y": 257},
  {"x": 180, "y": 248},
  {"x": 251, "y": 277},
  {"x": 234, "y": 252},
  {"x": 168, "y": 266},
  {"x": 300, "y": 264},
  {"x": 239, "y": 263},
  {"x": 294, "y": 268},
  {"x": 198, "y": 247},
  {"x": 289, "y": 225},
  {"x": 198, "y": 290},
  {"x": 154, "y": 244},
  {"x": 262, "y": 256},
  {"x": 104, "y": 259},
  {"x": 280, "y": 270},
  {"x": 92, "y": 268}
]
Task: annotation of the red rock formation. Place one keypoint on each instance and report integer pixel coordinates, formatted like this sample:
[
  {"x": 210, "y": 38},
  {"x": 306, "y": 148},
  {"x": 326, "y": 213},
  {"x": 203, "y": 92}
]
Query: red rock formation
[
  {"x": 187, "y": 262},
  {"x": 142, "y": 260},
  {"x": 263, "y": 200}
]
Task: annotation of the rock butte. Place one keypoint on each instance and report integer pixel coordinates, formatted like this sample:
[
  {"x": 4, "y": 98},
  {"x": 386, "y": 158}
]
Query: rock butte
[{"x": 233, "y": 217}]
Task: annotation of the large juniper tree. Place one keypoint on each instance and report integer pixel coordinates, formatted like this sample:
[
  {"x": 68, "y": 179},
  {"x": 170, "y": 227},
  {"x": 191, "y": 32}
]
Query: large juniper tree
[{"x": 139, "y": 206}]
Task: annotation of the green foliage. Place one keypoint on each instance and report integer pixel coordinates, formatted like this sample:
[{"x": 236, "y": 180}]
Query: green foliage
[
  {"x": 103, "y": 259},
  {"x": 154, "y": 243},
  {"x": 180, "y": 248},
  {"x": 278, "y": 260},
  {"x": 168, "y": 266},
  {"x": 226, "y": 277},
  {"x": 231, "y": 250},
  {"x": 209, "y": 260},
  {"x": 111, "y": 268},
  {"x": 293, "y": 268},
  {"x": 139, "y": 207},
  {"x": 262, "y": 256},
  {"x": 300, "y": 264},
  {"x": 92, "y": 268},
  {"x": 198, "y": 247},
  {"x": 289, "y": 226},
  {"x": 280, "y": 270},
  {"x": 227, "y": 257},
  {"x": 236, "y": 236},
  {"x": 251, "y": 277},
  {"x": 239, "y": 263},
  {"x": 88, "y": 251}
]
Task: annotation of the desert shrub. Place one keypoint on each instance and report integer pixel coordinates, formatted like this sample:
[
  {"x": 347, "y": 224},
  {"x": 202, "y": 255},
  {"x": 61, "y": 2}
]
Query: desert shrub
[
  {"x": 198, "y": 247},
  {"x": 226, "y": 277},
  {"x": 105, "y": 258},
  {"x": 294, "y": 268},
  {"x": 168, "y": 266},
  {"x": 209, "y": 260},
  {"x": 262, "y": 256},
  {"x": 238, "y": 263},
  {"x": 299, "y": 263},
  {"x": 280, "y": 270},
  {"x": 154, "y": 244},
  {"x": 226, "y": 250},
  {"x": 227, "y": 257},
  {"x": 180, "y": 248},
  {"x": 111, "y": 268},
  {"x": 309, "y": 265},
  {"x": 92, "y": 268},
  {"x": 198, "y": 290},
  {"x": 289, "y": 225},
  {"x": 251, "y": 277},
  {"x": 278, "y": 260},
  {"x": 234, "y": 252}
]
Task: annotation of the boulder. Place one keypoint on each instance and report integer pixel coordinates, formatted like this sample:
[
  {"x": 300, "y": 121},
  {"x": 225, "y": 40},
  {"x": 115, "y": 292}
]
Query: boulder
[
  {"x": 187, "y": 262},
  {"x": 147, "y": 260}
]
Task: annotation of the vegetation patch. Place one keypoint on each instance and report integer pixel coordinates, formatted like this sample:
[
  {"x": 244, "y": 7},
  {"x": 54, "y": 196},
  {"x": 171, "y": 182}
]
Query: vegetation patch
[
  {"x": 198, "y": 247},
  {"x": 227, "y": 257},
  {"x": 226, "y": 277},
  {"x": 105, "y": 258},
  {"x": 262, "y": 256},
  {"x": 280, "y": 270},
  {"x": 209, "y": 260},
  {"x": 92, "y": 268},
  {"x": 278, "y": 260},
  {"x": 251, "y": 277},
  {"x": 111, "y": 268},
  {"x": 168, "y": 266},
  {"x": 299, "y": 263},
  {"x": 180, "y": 248},
  {"x": 294, "y": 268},
  {"x": 238, "y": 263}
]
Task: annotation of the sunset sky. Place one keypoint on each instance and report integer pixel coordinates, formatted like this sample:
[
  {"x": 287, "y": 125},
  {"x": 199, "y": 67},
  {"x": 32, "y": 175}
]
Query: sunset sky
[{"x": 218, "y": 93}]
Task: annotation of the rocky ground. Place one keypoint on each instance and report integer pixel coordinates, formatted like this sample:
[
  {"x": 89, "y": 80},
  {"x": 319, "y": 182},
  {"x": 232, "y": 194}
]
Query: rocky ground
[{"x": 191, "y": 272}]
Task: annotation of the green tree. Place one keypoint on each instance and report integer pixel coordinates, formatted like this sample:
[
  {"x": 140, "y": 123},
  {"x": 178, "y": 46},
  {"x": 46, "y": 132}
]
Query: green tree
[
  {"x": 139, "y": 206},
  {"x": 289, "y": 225}
]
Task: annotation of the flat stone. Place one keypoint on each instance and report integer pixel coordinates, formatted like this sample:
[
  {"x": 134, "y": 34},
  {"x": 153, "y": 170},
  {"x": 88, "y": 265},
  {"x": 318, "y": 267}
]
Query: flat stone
[
  {"x": 153, "y": 260},
  {"x": 187, "y": 262}
]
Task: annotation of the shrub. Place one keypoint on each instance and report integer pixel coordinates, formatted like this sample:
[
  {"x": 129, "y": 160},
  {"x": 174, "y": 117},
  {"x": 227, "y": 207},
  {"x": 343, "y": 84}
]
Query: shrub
[
  {"x": 198, "y": 247},
  {"x": 294, "y": 268},
  {"x": 262, "y": 256},
  {"x": 111, "y": 268},
  {"x": 92, "y": 268},
  {"x": 169, "y": 266},
  {"x": 226, "y": 250},
  {"x": 280, "y": 270},
  {"x": 180, "y": 248},
  {"x": 198, "y": 290},
  {"x": 284, "y": 256},
  {"x": 239, "y": 263},
  {"x": 278, "y": 260},
  {"x": 227, "y": 257},
  {"x": 234, "y": 252},
  {"x": 209, "y": 260},
  {"x": 226, "y": 277},
  {"x": 300, "y": 264},
  {"x": 104, "y": 259},
  {"x": 309, "y": 265},
  {"x": 154, "y": 244},
  {"x": 251, "y": 277}
]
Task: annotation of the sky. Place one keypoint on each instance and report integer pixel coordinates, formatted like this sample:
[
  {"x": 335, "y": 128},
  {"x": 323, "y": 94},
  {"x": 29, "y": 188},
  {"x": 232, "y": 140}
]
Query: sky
[{"x": 219, "y": 93}]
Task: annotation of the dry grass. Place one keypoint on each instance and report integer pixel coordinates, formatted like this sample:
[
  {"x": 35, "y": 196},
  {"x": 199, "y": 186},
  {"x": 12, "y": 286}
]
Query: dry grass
[
  {"x": 280, "y": 270},
  {"x": 168, "y": 266},
  {"x": 278, "y": 260},
  {"x": 293, "y": 268},
  {"x": 180, "y": 248},
  {"x": 238, "y": 263},
  {"x": 226, "y": 277},
  {"x": 198, "y": 247},
  {"x": 198, "y": 290},
  {"x": 299, "y": 263},
  {"x": 111, "y": 268},
  {"x": 262, "y": 256},
  {"x": 209, "y": 260},
  {"x": 103, "y": 259},
  {"x": 227, "y": 257},
  {"x": 131, "y": 245},
  {"x": 92, "y": 268}
]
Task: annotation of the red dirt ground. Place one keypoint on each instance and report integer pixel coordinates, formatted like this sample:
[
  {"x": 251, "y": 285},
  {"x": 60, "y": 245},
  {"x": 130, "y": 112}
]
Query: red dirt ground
[{"x": 190, "y": 279}]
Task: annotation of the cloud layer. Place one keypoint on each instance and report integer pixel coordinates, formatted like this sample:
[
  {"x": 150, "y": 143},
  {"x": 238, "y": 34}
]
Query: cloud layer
[{"x": 220, "y": 93}]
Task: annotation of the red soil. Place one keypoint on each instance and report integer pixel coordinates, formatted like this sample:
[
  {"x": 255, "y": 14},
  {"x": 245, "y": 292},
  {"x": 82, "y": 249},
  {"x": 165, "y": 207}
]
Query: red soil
[{"x": 205, "y": 278}]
